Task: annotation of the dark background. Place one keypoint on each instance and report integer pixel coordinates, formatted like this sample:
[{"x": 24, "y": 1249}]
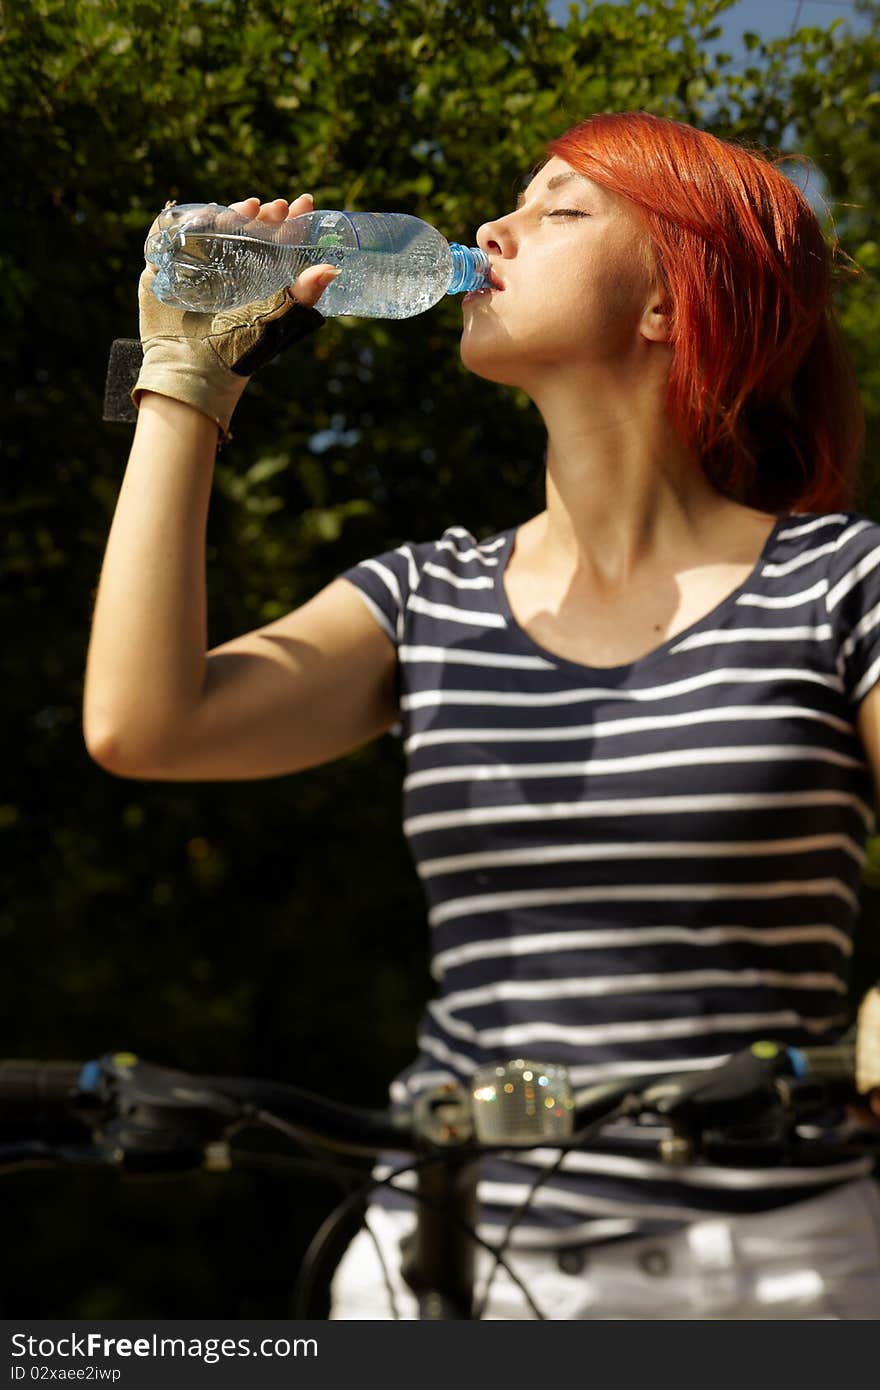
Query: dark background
[{"x": 277, "y": 928}]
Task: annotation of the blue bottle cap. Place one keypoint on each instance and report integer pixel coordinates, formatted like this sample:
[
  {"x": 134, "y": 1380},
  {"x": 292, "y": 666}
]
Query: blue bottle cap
[{"x": 470, "y": 269}]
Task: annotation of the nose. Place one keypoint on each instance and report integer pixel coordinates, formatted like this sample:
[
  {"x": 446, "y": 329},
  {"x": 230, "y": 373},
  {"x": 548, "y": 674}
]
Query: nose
[{"x": 495, "y": 238}]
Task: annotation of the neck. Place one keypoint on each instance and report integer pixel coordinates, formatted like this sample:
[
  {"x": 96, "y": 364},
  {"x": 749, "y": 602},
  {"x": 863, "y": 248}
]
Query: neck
[
  {"x": 616, "y": 514},
  {"x": 625, "y": 497}
]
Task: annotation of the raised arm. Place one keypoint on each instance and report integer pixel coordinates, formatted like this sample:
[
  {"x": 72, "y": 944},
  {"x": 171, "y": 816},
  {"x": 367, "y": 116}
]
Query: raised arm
[{"x": 157, "y": 704}]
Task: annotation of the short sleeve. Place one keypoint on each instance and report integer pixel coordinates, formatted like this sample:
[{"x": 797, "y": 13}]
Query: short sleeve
[
  {"x": 853, "y": 605},
  {"x": 385, "y": 583}
]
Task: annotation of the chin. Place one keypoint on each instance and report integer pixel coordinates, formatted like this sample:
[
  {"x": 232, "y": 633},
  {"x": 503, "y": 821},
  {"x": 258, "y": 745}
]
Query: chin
[{"x": 489, "y": 367}]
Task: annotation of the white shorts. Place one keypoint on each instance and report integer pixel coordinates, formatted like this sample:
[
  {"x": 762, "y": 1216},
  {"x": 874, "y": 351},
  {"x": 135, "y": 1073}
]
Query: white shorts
[{"x": 818, "y": 1258}]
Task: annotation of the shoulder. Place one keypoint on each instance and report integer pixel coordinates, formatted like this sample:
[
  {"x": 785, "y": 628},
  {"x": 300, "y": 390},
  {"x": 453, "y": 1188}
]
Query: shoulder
[
  {"x": 407, "y": 567},
  {"x": 438, "y": 578},
  {"x": 462, "y": 547},
  {"x": 850, "y": 543},
  {"x": 828, "y": 547},
  {"x": 833, "y": 530}
]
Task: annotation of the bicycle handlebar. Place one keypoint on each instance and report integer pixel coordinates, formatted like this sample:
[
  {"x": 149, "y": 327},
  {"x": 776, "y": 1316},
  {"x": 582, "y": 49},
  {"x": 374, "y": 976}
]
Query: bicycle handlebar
[
  {"x": 145, "y": 1117},
  {"x": 142, "y": 1099},
  {"x": 118, "y": 1111}
]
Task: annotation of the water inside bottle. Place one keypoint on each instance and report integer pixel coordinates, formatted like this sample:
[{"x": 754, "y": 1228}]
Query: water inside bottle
[
  {"x": 378, "y": 285},
  {"x": 207, "y": 271}
]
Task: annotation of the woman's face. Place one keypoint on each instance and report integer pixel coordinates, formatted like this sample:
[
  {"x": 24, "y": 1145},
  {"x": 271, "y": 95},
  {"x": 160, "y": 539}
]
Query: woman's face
[{"x": 576, "y": 269}]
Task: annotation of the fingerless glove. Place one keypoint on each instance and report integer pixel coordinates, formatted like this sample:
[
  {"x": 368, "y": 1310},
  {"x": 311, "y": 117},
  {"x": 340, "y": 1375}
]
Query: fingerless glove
[{"x": 202, "y": 359}]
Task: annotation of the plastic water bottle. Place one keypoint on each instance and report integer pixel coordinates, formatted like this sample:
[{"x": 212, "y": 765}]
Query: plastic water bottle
[{"x": 208, "y": 257}]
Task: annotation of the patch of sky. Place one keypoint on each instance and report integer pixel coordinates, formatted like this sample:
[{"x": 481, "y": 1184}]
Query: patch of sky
[{"x": 336, "y": 435}]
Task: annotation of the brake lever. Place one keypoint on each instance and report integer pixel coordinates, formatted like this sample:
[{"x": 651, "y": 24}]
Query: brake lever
[
  {"x": 752, "y": 1111},
  {"x": 743, "y": 1090},
  {"x": 151, "y": 1119}
]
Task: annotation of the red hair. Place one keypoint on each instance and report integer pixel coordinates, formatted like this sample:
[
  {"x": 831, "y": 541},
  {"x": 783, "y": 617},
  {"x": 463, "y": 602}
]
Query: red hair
[{"x": 761, "y": 388}]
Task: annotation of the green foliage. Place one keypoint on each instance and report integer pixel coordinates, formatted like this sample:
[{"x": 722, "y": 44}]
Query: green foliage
[{"x": 232, "y": 926}]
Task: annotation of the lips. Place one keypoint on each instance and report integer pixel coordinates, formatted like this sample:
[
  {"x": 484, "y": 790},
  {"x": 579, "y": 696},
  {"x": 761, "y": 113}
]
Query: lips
[{"x": 493, "y": 285}]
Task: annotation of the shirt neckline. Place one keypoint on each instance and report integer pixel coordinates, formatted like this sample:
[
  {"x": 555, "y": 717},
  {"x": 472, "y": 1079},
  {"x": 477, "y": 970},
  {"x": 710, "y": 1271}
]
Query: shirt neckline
[{"x": 600, "y": 673}]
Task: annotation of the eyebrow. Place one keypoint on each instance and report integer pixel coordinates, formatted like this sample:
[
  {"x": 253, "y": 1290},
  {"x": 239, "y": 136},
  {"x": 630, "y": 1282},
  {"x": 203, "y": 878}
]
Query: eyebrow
[{"x": 553, "y": 183}]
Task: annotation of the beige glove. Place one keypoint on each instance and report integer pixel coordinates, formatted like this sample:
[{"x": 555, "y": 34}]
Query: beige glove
[{"x": 206, "y": 360}]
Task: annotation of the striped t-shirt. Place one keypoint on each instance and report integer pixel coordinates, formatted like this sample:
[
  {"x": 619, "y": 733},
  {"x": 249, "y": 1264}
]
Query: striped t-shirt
[{"x": 640, "y": 868}]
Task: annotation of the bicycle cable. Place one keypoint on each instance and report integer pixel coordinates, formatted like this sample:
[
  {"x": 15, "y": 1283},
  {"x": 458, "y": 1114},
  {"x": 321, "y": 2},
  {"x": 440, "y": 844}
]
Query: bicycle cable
[
  {"x": 360, "y": 1195},
  {"x": 273, "y": 1121},
  {"x": 497, "y": 1252},
  {"x": 306, "y": 1276},
  {"x": 627, "y": 1106}
]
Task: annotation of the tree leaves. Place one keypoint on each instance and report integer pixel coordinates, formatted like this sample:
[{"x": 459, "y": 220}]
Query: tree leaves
[{"x": 230, "y": 927}]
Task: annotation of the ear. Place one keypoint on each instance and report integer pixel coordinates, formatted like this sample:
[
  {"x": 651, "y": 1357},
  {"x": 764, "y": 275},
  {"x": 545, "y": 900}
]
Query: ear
[{"x": 656, "y": 323}]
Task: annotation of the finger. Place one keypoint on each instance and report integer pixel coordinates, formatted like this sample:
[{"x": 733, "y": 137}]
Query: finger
[
  {"x": 237, "y": 215},
  {"x": 247, "y": 207},
  {"x": 253, "y": 209},
  {"x": 304, "y": 203},
  {"x": 276, "y": 211},
  {"x": 308, "y": 287}
]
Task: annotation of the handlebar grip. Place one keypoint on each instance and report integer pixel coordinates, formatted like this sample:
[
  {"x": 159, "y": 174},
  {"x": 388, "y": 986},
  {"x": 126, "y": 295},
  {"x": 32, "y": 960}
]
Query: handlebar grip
[{"x": 36, "y": 1092}]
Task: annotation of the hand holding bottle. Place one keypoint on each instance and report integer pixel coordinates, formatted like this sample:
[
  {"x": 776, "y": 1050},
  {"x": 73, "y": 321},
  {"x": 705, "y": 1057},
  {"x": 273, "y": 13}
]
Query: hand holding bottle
[{"x": 205, "y": 360}]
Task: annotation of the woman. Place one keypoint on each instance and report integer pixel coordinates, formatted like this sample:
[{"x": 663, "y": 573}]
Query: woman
[{"x": 639, "y": 727}]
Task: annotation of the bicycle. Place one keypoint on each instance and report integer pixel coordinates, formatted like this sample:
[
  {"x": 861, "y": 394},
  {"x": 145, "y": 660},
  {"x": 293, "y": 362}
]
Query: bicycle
[{"x": 767, "y": 1103}]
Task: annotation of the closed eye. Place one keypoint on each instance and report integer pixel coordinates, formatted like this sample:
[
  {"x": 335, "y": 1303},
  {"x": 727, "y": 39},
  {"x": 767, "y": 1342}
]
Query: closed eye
[{"x": 568, "y": 212}]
